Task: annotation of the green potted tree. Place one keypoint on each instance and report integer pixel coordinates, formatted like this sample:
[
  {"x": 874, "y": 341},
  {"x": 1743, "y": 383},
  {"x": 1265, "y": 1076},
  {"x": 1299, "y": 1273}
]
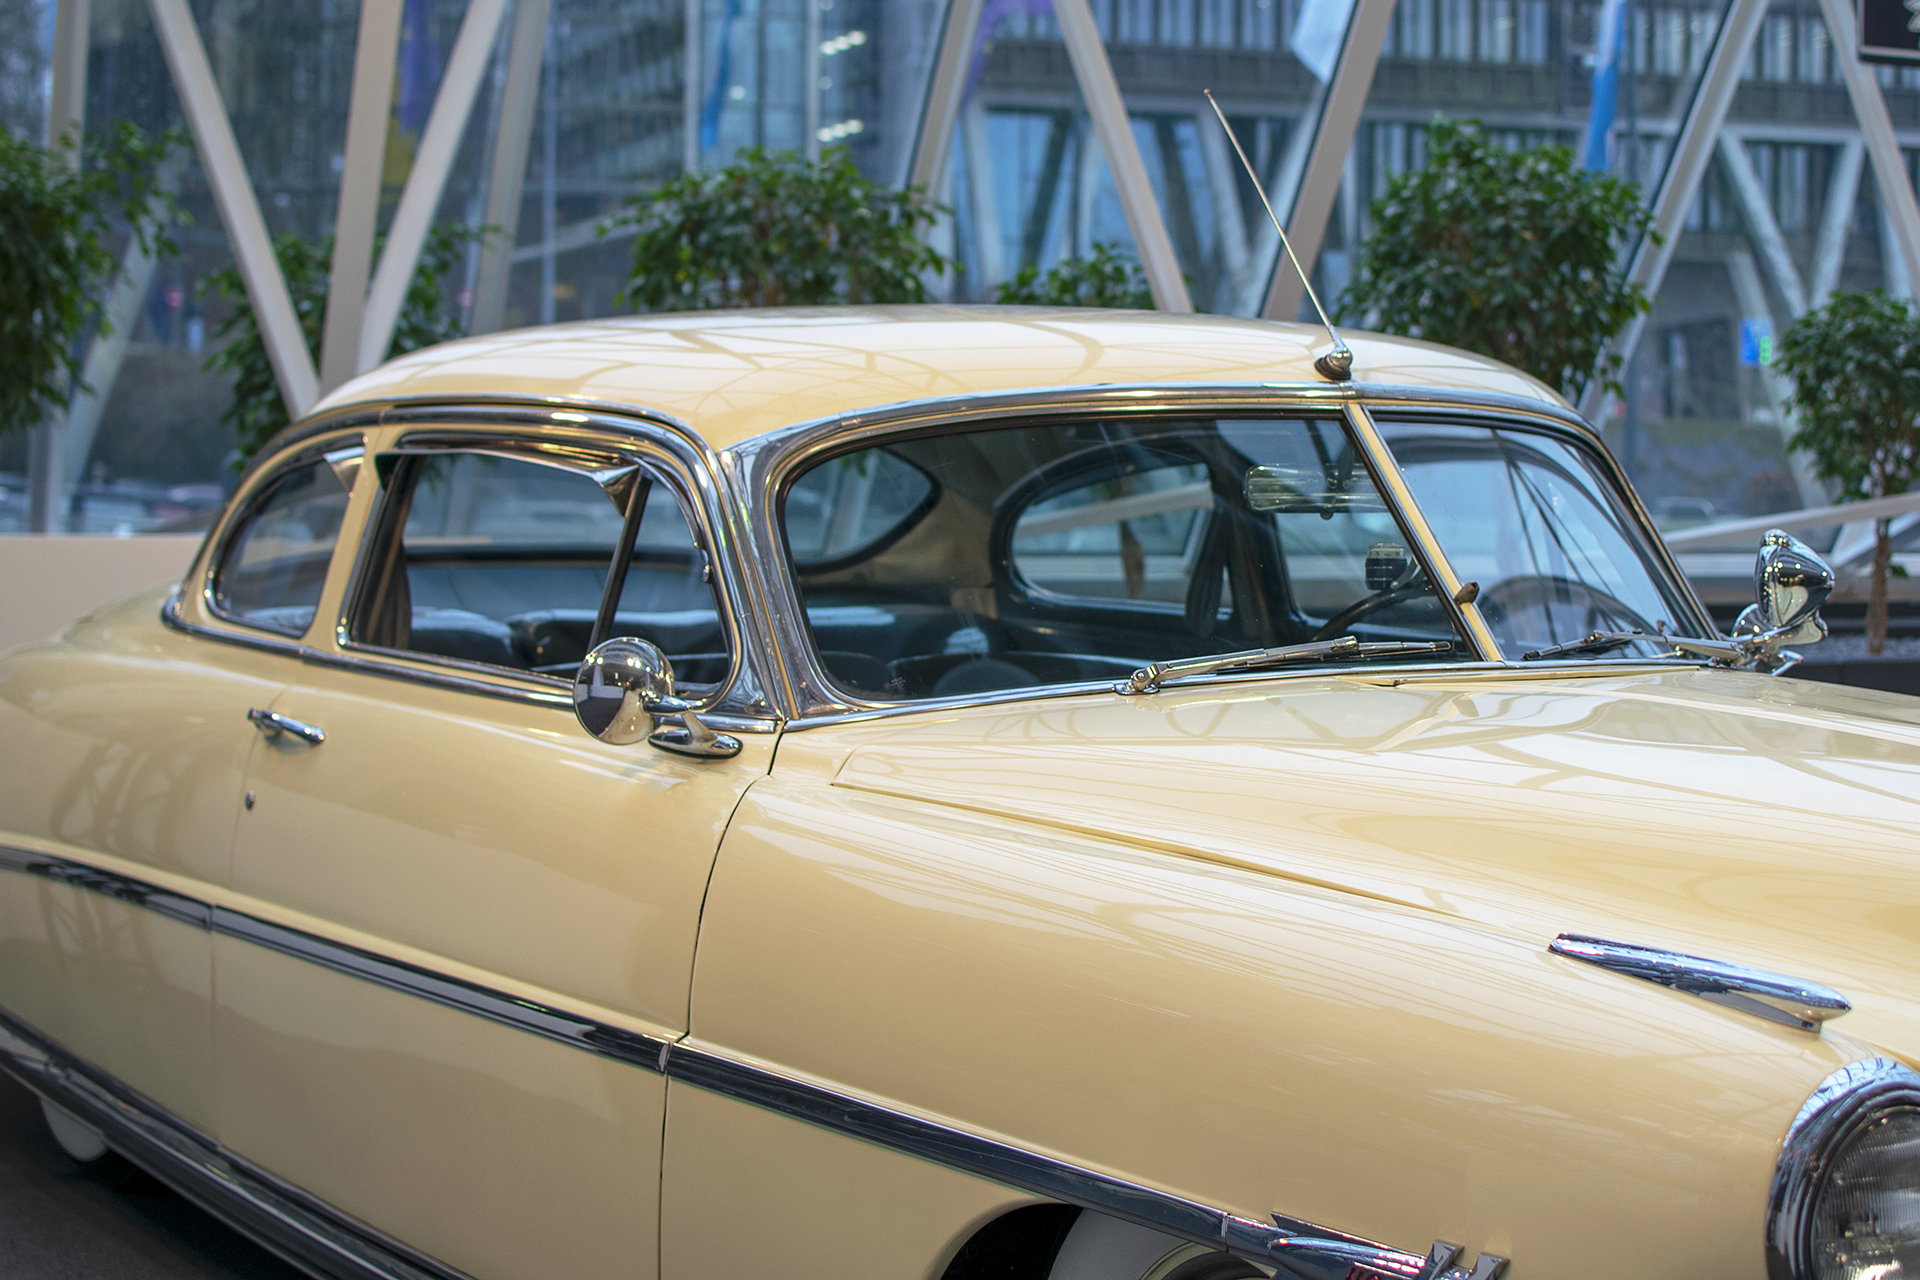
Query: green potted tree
[
  {"x": 1855, "y": 367},
  {"x": 1511, "y": 253},
  {"x": 1106, "y": 277},
  {"x": 56, "y": 220},
  {"x": 776, "y": 230}
]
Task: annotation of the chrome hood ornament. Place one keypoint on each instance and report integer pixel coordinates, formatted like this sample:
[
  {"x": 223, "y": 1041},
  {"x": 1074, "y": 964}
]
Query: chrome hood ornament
[{"x": 1773, "y": 996}]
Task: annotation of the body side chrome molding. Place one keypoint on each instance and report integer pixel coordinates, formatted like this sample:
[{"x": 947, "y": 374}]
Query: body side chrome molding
[
  {"x": 1776, "y": 997},
  {"x": 1300, "y": 1249},
  {"x": 304, "y": 1231}
]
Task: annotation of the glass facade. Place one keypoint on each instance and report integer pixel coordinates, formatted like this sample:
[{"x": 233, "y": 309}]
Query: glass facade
[{"x": 634, "y": 92}]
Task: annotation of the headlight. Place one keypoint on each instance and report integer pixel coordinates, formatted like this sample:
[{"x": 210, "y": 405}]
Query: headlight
[{"x": 1846, "y": 1195}]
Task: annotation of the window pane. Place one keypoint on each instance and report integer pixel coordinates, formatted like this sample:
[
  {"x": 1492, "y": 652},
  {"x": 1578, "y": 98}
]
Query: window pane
[
  {"x": 504, "y": 562},
  {"x": 272, "y": 572},
  {"x": 1530, "y": 519},
  {"x": 1064, "y": 553}
]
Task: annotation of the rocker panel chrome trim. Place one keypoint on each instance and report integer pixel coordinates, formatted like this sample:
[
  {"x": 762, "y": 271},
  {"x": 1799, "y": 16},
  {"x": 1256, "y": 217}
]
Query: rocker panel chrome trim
[
  {"x": 158, "y": 1141},
  {"x": 306, "y": 1232}
]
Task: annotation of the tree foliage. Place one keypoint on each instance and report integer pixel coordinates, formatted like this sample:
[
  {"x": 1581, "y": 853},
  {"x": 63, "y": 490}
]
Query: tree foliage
[
  {"x": 1106, "y": 277},
  {"x": 257, "y": 411},
  {"x": 1855, "y": 367},
  {"x": 55, "y": 224},
  {"x": 1508, "y": 253},
  {"x": 774, "y": 230}
]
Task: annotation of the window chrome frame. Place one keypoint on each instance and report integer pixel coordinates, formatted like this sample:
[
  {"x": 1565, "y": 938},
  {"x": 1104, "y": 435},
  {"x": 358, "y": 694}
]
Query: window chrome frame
[
  {"x": 761, "y": 468},
  {"x": 256, "y": 485},
  {"x": 673, "y": 451}
]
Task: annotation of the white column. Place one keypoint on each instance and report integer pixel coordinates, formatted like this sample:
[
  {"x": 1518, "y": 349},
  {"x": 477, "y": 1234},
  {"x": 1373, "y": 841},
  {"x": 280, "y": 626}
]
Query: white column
[
  {"x": 1876, "y": 128},
  {"x": 812, "y": 73},
  {"x": 239, "y": 210},
  {"x": 1338, "y": 122},
  {"x": 368, "y": 112},
  {"x": 1843, "y": 195},
  {"x": 1760, "y": 221},
  {"x": 420, "y": 198},
  {"x": 944, "y": 90},
  {"x": 690, "y": 90},
  {"x": 66, "y": 114},
  {"x": 1692, "y": 152},
  {"x": 506, "y": 179},
  {"x": 1112, "y": 127}
]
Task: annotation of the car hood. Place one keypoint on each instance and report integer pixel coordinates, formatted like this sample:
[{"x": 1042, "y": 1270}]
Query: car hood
[{"x": 1765, "y": 821}]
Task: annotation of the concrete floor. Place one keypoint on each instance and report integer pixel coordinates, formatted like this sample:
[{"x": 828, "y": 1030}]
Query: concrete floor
[{"x": 58, "y": 1224}]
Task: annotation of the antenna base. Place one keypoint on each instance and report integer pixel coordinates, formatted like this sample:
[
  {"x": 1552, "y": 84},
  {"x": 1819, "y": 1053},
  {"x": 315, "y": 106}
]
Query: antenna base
[{"x": 1336, "y": 365}]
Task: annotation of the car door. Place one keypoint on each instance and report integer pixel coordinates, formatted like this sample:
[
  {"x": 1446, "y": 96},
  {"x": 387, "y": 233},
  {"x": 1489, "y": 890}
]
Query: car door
[
  {"x": 123, "y": 748},
  {"x": 462, "y": 930}
]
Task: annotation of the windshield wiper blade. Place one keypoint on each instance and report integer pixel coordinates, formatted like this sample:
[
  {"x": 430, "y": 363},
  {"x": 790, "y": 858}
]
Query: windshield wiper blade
[
  {"x": 1607, "y": 641},
  {"x": 1148, "y": 679}
]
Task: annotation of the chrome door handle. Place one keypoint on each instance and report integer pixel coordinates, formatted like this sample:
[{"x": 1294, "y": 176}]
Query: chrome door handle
[{"x": 273, "y": 724}]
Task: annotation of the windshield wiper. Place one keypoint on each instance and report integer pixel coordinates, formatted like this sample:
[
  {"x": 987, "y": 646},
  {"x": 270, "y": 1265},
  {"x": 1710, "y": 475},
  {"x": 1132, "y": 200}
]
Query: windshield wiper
[
  {"x": 1148, "y": 679},
  {"x": 1607, "y": 641}
]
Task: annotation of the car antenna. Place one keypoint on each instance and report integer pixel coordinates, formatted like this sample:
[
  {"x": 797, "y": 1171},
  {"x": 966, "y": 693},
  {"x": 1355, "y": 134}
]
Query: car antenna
[{"x": 1337, "y": 364}]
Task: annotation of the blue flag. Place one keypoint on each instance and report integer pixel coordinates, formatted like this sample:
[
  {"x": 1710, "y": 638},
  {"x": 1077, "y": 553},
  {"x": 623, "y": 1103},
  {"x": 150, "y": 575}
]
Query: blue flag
[{"x": 1612, "y": 33}]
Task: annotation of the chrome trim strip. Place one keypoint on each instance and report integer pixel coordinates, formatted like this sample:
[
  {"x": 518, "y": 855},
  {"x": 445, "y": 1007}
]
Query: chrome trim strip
[
  {"x": 1776, "y": 997},
  {"x": 145, "y": 1133},
  {"x": 174, "y": 906},
  {"x": 629, "y": 1047},
  {"x": 1846, "y": 1102},
  {"x": 306, "y": 1232}
]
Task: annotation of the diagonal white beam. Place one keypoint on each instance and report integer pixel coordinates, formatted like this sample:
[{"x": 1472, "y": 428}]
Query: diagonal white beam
[
  {"x": 1686, "y": 167},
  {"x": 1761, "y": 224},
  {"x": 1111, "y": 125},
  {"x": 239, "y": 211},
  {"x": 508, "y": 174},
  {"x": 1843, "y": 195},
  {"x": 66, "y": 112},
  {"x": 368, "y": 112},
  {"x": 944, "y": 91},
  {"x": 1876, "y": 129},
  {"x": 1333, "y": 134},
  {"x": 420, "y": 198}
]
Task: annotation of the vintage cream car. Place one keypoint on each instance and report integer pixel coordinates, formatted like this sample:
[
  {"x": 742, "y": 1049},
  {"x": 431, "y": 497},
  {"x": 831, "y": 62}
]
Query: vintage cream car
[{"x": 935, "y": 792}]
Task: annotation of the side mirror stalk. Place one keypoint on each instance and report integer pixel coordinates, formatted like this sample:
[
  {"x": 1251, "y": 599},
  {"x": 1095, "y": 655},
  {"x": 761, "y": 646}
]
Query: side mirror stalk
[{"x": 624, "y": 689}]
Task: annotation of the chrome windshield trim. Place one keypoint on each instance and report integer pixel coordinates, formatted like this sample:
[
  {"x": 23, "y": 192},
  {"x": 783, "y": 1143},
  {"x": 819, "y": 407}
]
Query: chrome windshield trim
[
  {"x": 1845, "y": 1103},
  {"x": 307, "y": 1232},
  {"x": 1777, "y": 997},
  {"x": 1304, "y": 1251}
]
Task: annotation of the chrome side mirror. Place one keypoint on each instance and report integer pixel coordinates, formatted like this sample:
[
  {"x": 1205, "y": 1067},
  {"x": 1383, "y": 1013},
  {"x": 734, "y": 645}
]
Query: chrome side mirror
[
  {"x": 624, "y": 689},
  {"x": 1790, "y": 582}
]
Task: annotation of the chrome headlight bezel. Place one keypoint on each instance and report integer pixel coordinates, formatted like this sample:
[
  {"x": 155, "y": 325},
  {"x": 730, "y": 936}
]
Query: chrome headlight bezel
[{"x": 1845, "y": 1106}]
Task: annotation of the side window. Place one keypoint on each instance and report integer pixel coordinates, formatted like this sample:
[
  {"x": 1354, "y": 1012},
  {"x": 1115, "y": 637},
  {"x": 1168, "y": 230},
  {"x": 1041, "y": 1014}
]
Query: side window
[
  {"x": 271, "y": 574},
  {"x": 505, "y": 562}
]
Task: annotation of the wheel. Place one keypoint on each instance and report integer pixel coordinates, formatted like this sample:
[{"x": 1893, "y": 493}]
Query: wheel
[
  {"x": 86, "y": 1147},
  {"x": 1103, "y": 1248}
]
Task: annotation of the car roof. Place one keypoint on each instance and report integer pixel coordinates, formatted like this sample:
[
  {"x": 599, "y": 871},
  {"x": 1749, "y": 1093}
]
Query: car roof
[{"x": 735, "y": 374}]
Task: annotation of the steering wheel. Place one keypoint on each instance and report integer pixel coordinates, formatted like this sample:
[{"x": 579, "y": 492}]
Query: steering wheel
[
  {"x": 1337, "y": 625},
  {"x": 1604, "y": 611}
]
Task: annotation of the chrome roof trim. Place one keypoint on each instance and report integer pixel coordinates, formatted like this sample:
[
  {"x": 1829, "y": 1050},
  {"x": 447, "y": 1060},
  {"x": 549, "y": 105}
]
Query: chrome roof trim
[
  {"x": 1776, "y": 997},
  {"x": 1303, "y": 1250},
  {"x": 309, "y": 1233}
]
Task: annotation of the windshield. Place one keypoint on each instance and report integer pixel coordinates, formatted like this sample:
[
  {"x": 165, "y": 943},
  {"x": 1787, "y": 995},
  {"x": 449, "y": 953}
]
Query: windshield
[
  {"x": 1530, "y": 517},
  {"x": 1067, "y": 552}
]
